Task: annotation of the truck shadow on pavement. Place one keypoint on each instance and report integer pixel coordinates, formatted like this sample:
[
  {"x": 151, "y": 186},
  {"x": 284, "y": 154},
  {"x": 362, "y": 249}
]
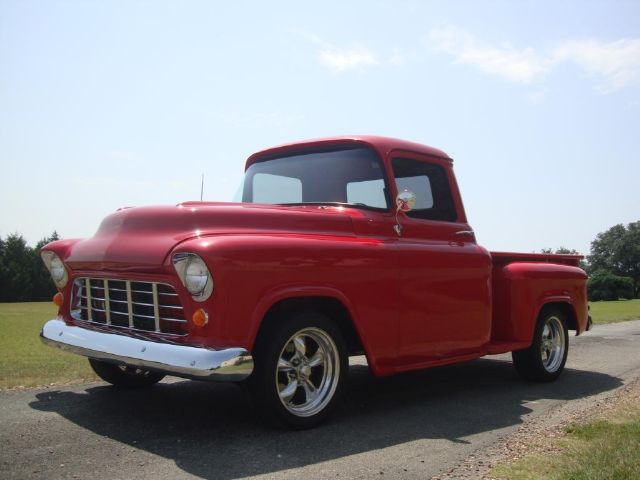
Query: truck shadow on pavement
[{"x": 208, "y": 429}]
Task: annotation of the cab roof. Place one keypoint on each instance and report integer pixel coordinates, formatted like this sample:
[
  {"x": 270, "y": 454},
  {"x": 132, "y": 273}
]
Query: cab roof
[{"x": 383, "y": 145}]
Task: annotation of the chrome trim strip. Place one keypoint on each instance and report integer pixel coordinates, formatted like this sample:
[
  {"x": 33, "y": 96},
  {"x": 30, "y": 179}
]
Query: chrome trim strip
[
  {"x": 107, "y": 304},
  {"x": 135, "y": 315},
  {"x": 142, "y": 303},
  {"x": 231, "y": 364},
  {"x": 156, "y": 307},
  {"x": 132, "y": 290},
  {"x": 120, "y": 301},
  {"x": 168, "y": 319},
  {"x": 129, "y": 306},
  {"x": 87, "y": 286},
  {"x": 136, "y": 303}
]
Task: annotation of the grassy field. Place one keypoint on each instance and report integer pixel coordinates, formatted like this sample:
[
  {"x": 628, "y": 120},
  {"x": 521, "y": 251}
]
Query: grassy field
[
  {"x": 609, "y": 312},
  {"x": 607, "y": 448},
  {"x": 24, "y": 360}
]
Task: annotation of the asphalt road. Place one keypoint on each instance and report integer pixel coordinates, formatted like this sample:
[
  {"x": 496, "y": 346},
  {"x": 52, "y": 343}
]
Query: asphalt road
[{"x": 410, "y": 426}]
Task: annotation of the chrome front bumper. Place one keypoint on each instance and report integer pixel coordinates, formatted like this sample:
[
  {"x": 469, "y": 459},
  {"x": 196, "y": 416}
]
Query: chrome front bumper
[{"x": 231, "y": 364}]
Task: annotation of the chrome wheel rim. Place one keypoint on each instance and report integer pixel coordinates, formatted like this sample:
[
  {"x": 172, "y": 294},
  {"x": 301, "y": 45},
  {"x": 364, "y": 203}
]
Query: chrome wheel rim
[
  {"x": 552, "y": 346},
  {"x": 308, "y": 371}
]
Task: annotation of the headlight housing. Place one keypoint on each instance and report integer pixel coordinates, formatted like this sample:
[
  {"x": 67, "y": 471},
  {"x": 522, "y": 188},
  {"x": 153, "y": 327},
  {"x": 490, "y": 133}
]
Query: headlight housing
[
  {"x": 56, "y": 268},
  {"x": 194, "y": 274}
]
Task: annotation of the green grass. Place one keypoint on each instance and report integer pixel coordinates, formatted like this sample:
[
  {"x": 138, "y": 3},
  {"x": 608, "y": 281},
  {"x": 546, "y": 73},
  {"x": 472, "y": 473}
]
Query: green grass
[
  {"x": 608, "y": 448},
  {"x": 24, "y": 360},
  {"x": 609, "y": 312}
]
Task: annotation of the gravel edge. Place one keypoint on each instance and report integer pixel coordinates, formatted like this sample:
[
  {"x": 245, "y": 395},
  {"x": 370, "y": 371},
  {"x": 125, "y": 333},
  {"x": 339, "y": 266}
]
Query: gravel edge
[{"x": 528, "y": 438}]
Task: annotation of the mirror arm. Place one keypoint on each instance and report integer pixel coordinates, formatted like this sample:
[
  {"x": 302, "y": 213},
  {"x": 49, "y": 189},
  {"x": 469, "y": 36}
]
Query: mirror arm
[
  {"x": 405, "y": 201},
  {"x": 398, "y": 227}
]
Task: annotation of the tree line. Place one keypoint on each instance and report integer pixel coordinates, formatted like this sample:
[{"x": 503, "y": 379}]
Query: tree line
[
  {"x": 613, "y": 266},
  {"x": 23, "y": 276}
]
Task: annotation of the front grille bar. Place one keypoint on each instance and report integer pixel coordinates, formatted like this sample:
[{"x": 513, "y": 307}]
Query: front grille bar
[
  {"x": 107, "y": 300},
  {"x": 139, "y": 306},
  {"x": 156, "y": 313},
  {"x": 87, "y": 284},
  {"x": 129, "y": 304},
  {"x": 166, "y": 319}
]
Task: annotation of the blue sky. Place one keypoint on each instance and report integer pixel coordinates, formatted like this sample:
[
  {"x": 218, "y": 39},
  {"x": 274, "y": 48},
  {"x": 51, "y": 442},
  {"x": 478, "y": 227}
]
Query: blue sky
[{"x": 110, "y": 104}]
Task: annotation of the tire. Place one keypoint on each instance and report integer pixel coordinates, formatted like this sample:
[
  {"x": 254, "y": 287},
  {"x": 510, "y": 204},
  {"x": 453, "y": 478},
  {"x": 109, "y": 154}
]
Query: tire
[
  {"x": 300, "y": 370},
  {"x": 544, "y": 360},
  {"x": 124, "y": 376}
]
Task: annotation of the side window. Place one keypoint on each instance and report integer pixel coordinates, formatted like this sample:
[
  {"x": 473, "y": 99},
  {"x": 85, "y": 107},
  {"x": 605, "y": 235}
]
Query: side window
[
  {"x": 269, "y": 188},
  {"x": 430, "y": 184}
]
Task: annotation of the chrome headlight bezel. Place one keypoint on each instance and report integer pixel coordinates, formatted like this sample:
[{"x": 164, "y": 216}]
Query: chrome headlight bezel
[
  {"x": 56, "y": 268},
  {"x": 191, "y": 269}
]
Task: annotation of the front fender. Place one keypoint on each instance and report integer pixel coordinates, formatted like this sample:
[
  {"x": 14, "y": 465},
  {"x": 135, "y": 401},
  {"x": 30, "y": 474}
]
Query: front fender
[
  {"x": 284, "y": 292},
  {"x": 255, "y": 271}
]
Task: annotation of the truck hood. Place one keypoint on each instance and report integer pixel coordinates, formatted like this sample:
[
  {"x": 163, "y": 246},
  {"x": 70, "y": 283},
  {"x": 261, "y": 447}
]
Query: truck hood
[{"x": 141, "y": 238}]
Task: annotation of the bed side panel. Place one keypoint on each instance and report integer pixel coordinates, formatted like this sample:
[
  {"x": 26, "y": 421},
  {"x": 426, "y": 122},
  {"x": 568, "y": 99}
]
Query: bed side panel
[{"x": 521, "y": 289}]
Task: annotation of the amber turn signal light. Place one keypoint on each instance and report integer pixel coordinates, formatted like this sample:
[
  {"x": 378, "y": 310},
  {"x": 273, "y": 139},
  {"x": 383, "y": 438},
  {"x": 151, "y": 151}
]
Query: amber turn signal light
[
  {"x": 58, "y": 298},
  {"x": 200, "y": 318}
]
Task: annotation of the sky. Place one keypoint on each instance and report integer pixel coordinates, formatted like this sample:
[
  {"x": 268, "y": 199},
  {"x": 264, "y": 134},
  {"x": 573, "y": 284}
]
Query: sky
[{"x": 111, "y": 104}]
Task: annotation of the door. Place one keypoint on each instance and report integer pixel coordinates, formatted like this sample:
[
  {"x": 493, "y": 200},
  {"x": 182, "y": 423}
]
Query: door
[{"x": 445, "y": 308}]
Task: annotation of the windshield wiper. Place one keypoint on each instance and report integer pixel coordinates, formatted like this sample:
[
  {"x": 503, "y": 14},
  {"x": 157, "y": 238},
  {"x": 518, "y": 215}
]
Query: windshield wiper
[{"x": 332, "y": 204}]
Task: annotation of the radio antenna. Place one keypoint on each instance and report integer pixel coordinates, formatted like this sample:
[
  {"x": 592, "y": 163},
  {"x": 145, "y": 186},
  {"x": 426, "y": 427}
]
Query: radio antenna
[{"x": 201, "y": 187}]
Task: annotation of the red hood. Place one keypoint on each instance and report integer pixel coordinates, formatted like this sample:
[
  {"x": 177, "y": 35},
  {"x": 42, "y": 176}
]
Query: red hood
[{"x": 141, "y": 238}]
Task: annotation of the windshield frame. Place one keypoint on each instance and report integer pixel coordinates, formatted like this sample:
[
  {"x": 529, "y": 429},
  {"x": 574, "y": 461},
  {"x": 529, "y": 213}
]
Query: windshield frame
[{"x": 294, "y": 152}]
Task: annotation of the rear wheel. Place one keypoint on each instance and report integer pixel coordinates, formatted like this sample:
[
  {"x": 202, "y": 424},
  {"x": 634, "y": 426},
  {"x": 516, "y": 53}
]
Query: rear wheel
[
  {"x": 124, "y": 375},
  {"x": 544, "y": 360},
  {"x": 300, "y": 370}
]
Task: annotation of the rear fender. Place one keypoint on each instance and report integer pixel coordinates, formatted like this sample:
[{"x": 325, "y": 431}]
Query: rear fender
[{"x": 526, "y": 288}]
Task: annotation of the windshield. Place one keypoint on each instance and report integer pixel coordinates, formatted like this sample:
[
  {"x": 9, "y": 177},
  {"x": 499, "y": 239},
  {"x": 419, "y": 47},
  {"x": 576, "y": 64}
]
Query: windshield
[{"x": 346, "y": 176}]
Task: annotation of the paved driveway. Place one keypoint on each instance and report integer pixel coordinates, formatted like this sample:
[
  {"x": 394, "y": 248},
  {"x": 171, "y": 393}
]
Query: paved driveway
[{"x": 409, "y": 426}]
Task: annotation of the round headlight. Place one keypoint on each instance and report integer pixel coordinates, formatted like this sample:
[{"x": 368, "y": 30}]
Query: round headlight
[
  {"x": 57, "y": 269},
  {"x": 196, "y": 276}
]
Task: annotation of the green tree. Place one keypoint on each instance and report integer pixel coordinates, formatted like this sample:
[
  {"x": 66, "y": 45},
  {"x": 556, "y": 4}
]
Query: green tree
[
  {"x": 565, "y": 251},
  {"x": 3, "y": 270},
  {"x": 561, "y": 251},
  {"x": 16, "y": 269},
  {"x": 23, "y": 276},
  {"x": 607, "y": 286},
  {"x": 618, "y": 251}
]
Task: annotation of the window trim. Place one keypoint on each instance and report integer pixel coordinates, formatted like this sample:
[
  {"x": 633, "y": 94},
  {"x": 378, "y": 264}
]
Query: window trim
[
  {"x": 297, "y": 151},
  {"x": 434, "y": 162}
]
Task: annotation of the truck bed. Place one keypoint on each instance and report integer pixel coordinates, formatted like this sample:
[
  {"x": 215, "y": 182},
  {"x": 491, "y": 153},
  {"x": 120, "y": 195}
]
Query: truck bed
[{"x": 523, "y": 283}]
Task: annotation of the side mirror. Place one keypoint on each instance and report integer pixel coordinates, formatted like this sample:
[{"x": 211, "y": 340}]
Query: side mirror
[{"x": 405, "y": 202}]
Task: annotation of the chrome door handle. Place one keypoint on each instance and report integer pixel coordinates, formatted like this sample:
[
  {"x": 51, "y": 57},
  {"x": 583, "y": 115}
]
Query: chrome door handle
[{"x": 465, "y": 232}]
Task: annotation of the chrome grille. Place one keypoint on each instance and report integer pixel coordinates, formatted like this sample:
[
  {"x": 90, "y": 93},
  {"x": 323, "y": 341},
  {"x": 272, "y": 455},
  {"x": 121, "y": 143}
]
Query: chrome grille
[{"x": 128, "y": 304}]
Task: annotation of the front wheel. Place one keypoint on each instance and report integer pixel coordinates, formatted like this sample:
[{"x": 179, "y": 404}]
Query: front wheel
[
  {"x": 300, "y": 370},
  {"x": 124, "y": 375},
  {"x": 544, "y": 360}
]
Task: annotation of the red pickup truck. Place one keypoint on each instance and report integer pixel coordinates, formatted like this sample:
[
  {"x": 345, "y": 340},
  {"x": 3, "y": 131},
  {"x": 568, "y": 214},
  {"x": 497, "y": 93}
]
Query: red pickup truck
[{"x": 339, "y": 247}]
